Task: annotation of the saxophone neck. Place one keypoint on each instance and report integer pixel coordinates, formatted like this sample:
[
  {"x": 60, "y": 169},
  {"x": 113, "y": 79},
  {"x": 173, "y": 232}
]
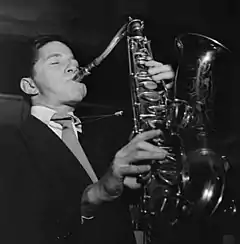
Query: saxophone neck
[{"x": 85, "y": 71}]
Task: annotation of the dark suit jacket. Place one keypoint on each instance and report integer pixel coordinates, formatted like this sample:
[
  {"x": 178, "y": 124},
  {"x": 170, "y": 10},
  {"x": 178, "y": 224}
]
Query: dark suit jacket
[{"x": 41, "y": 184}]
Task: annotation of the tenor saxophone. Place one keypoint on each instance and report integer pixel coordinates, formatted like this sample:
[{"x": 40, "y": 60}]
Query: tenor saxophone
[
  {"x": 150, "y": 105},
  {"x": 191, "y": 180}
]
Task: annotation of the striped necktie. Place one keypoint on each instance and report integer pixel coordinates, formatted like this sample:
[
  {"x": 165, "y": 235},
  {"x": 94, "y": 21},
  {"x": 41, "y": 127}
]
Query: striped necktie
[{"x": 70, "y": 139}]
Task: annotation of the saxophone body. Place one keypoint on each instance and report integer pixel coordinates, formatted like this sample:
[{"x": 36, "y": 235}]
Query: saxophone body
[{"x": 150, "y": 104}]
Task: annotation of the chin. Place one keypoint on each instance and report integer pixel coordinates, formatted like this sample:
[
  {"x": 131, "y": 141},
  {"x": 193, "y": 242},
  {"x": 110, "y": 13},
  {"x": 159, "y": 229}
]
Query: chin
[
  {"x": 76, "y": 94},
  {"x": 74, "y": 102}
]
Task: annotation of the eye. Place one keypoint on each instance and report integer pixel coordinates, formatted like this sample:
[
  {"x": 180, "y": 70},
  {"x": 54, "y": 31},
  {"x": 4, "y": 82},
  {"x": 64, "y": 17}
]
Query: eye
[{"x": 54, "y": 62}]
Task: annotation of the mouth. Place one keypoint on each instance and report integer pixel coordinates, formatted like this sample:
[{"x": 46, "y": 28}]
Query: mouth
[{"x": 77, "y": 77}]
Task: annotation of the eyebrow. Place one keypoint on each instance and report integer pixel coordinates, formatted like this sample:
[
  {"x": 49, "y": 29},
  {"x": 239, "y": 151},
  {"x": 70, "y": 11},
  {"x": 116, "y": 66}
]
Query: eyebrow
[
  {"x": 53, "y": 55},
  {"x": 57, "y": 55}
]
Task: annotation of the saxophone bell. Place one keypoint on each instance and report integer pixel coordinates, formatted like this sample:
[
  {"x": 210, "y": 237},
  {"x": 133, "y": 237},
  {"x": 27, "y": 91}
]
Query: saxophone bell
[{"x": 201, "y": 59}]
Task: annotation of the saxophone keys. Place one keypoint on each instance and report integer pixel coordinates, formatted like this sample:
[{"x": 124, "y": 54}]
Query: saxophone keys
[
  {"x": 151, "y": 96},
  {"x": 143, "y": 75},
  {"x": 159, "y": 142},
  {"x": 149, "y": 84},
  {"x": 169, "y": 156},
  {"x": 143, "y": 116},
  {"x": 140, "y": 61}
]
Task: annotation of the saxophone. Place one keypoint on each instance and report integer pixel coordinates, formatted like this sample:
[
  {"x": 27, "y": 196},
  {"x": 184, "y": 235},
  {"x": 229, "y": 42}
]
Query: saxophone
[
  {"x": 191, "y": 181},
  {"x": 151, "y": 105}
]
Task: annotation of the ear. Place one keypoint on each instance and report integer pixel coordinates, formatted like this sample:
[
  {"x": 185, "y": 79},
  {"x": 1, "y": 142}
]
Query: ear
[{"x": 28, "y": 86}]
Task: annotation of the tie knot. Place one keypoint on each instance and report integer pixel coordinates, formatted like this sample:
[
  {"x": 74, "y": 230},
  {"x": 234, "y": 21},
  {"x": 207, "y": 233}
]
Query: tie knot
[
  {"x": 66, "y": 121},
  {"x": 63, "y": 119}
]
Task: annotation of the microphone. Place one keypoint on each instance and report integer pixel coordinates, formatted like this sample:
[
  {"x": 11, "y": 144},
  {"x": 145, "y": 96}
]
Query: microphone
[{"x": 118, "y": 113}]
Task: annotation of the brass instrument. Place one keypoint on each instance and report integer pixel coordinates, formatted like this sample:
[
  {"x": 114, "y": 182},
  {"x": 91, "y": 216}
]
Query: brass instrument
[
  {"x": 150, "y": 103},
  {"x": 195, "y": 85},
  {"x": 201, "y": 60},
  {"x": 191, "y": 181}
]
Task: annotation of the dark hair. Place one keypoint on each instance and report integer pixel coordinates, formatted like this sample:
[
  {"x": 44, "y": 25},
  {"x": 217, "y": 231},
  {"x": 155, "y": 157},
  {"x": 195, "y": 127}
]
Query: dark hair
[{"x": 35, "y": 44}]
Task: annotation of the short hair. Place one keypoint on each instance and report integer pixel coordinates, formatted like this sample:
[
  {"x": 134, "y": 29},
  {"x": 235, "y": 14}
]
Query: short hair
[{"x": 37, "y": 43}]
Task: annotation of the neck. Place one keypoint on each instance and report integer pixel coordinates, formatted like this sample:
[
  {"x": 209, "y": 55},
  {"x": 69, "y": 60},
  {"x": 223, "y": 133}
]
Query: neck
[{"x": 58, "y": 108}]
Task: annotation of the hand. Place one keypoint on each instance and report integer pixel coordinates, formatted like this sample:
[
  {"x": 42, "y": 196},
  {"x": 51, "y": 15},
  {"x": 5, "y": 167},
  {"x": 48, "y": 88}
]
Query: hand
[
  {"x": 125, "y": 161},
  {"x": 124, "y": 166},
  {"x": 159, "y": 72},
  {"x": 132, "y": 182}
]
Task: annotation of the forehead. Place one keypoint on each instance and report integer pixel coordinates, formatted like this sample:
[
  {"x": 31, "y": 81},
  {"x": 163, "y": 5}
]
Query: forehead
[{"x": 53, "y": 48}]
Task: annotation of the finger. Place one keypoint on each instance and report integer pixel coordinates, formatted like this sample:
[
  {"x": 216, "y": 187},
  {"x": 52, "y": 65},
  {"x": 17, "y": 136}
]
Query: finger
[
  {"x": 132, "y": 145},
  {"x": 146, "y": 155},
  {"x": 143, "y": 145},
  {"x": 152, "y": 63},
  {"x": 144, "y": 136},
  {"x": 134, "y": 169},
  {"x": 136, "y": 157},
  {"x": 162, "y": 76},
  {"x": 131, "y": 182},
  {"x": 168, "y": 85},
  {"x": 159, "y": 69}
]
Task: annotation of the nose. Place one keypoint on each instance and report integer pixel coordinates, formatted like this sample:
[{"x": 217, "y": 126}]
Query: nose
[{"x": 72, "y": 67}]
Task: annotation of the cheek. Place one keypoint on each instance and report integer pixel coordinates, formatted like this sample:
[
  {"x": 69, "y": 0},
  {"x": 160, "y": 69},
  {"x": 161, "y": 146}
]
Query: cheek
[
  {"x": 46, "y": 81},
  {"x": 53, "y": 78},
  {"x": 79, "y": 90},
  {"x": 84, "y": 90},
  {"x": 75, "y": 92}
]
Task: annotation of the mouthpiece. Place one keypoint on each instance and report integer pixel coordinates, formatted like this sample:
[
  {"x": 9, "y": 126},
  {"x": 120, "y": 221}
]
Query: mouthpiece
[{"x": 135, "y": 27}]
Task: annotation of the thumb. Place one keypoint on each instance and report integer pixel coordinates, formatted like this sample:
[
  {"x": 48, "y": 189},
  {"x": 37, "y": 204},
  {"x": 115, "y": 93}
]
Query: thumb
[{"x": 131, "y": 182}]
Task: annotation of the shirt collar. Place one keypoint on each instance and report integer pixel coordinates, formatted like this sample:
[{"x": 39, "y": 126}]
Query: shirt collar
[{"x": 45, "y": 114}]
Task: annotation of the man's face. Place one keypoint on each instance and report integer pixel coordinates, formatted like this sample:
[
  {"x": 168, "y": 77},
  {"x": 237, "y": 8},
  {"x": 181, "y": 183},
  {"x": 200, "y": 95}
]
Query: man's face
[{"x": 53, "y": 75}]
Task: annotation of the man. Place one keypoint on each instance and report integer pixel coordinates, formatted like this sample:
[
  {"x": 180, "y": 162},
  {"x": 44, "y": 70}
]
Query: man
[{"x": 48, "y": 194}]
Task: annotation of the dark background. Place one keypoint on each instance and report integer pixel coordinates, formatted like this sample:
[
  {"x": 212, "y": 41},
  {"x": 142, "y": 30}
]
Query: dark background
[{"x": 90, "y": 26}]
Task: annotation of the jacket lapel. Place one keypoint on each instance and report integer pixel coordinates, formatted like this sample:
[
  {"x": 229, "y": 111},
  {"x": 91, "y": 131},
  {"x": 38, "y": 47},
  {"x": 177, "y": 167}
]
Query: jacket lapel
[
  {"x": 94, "y": 147},
  {"x": 44, "y": 144}
]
